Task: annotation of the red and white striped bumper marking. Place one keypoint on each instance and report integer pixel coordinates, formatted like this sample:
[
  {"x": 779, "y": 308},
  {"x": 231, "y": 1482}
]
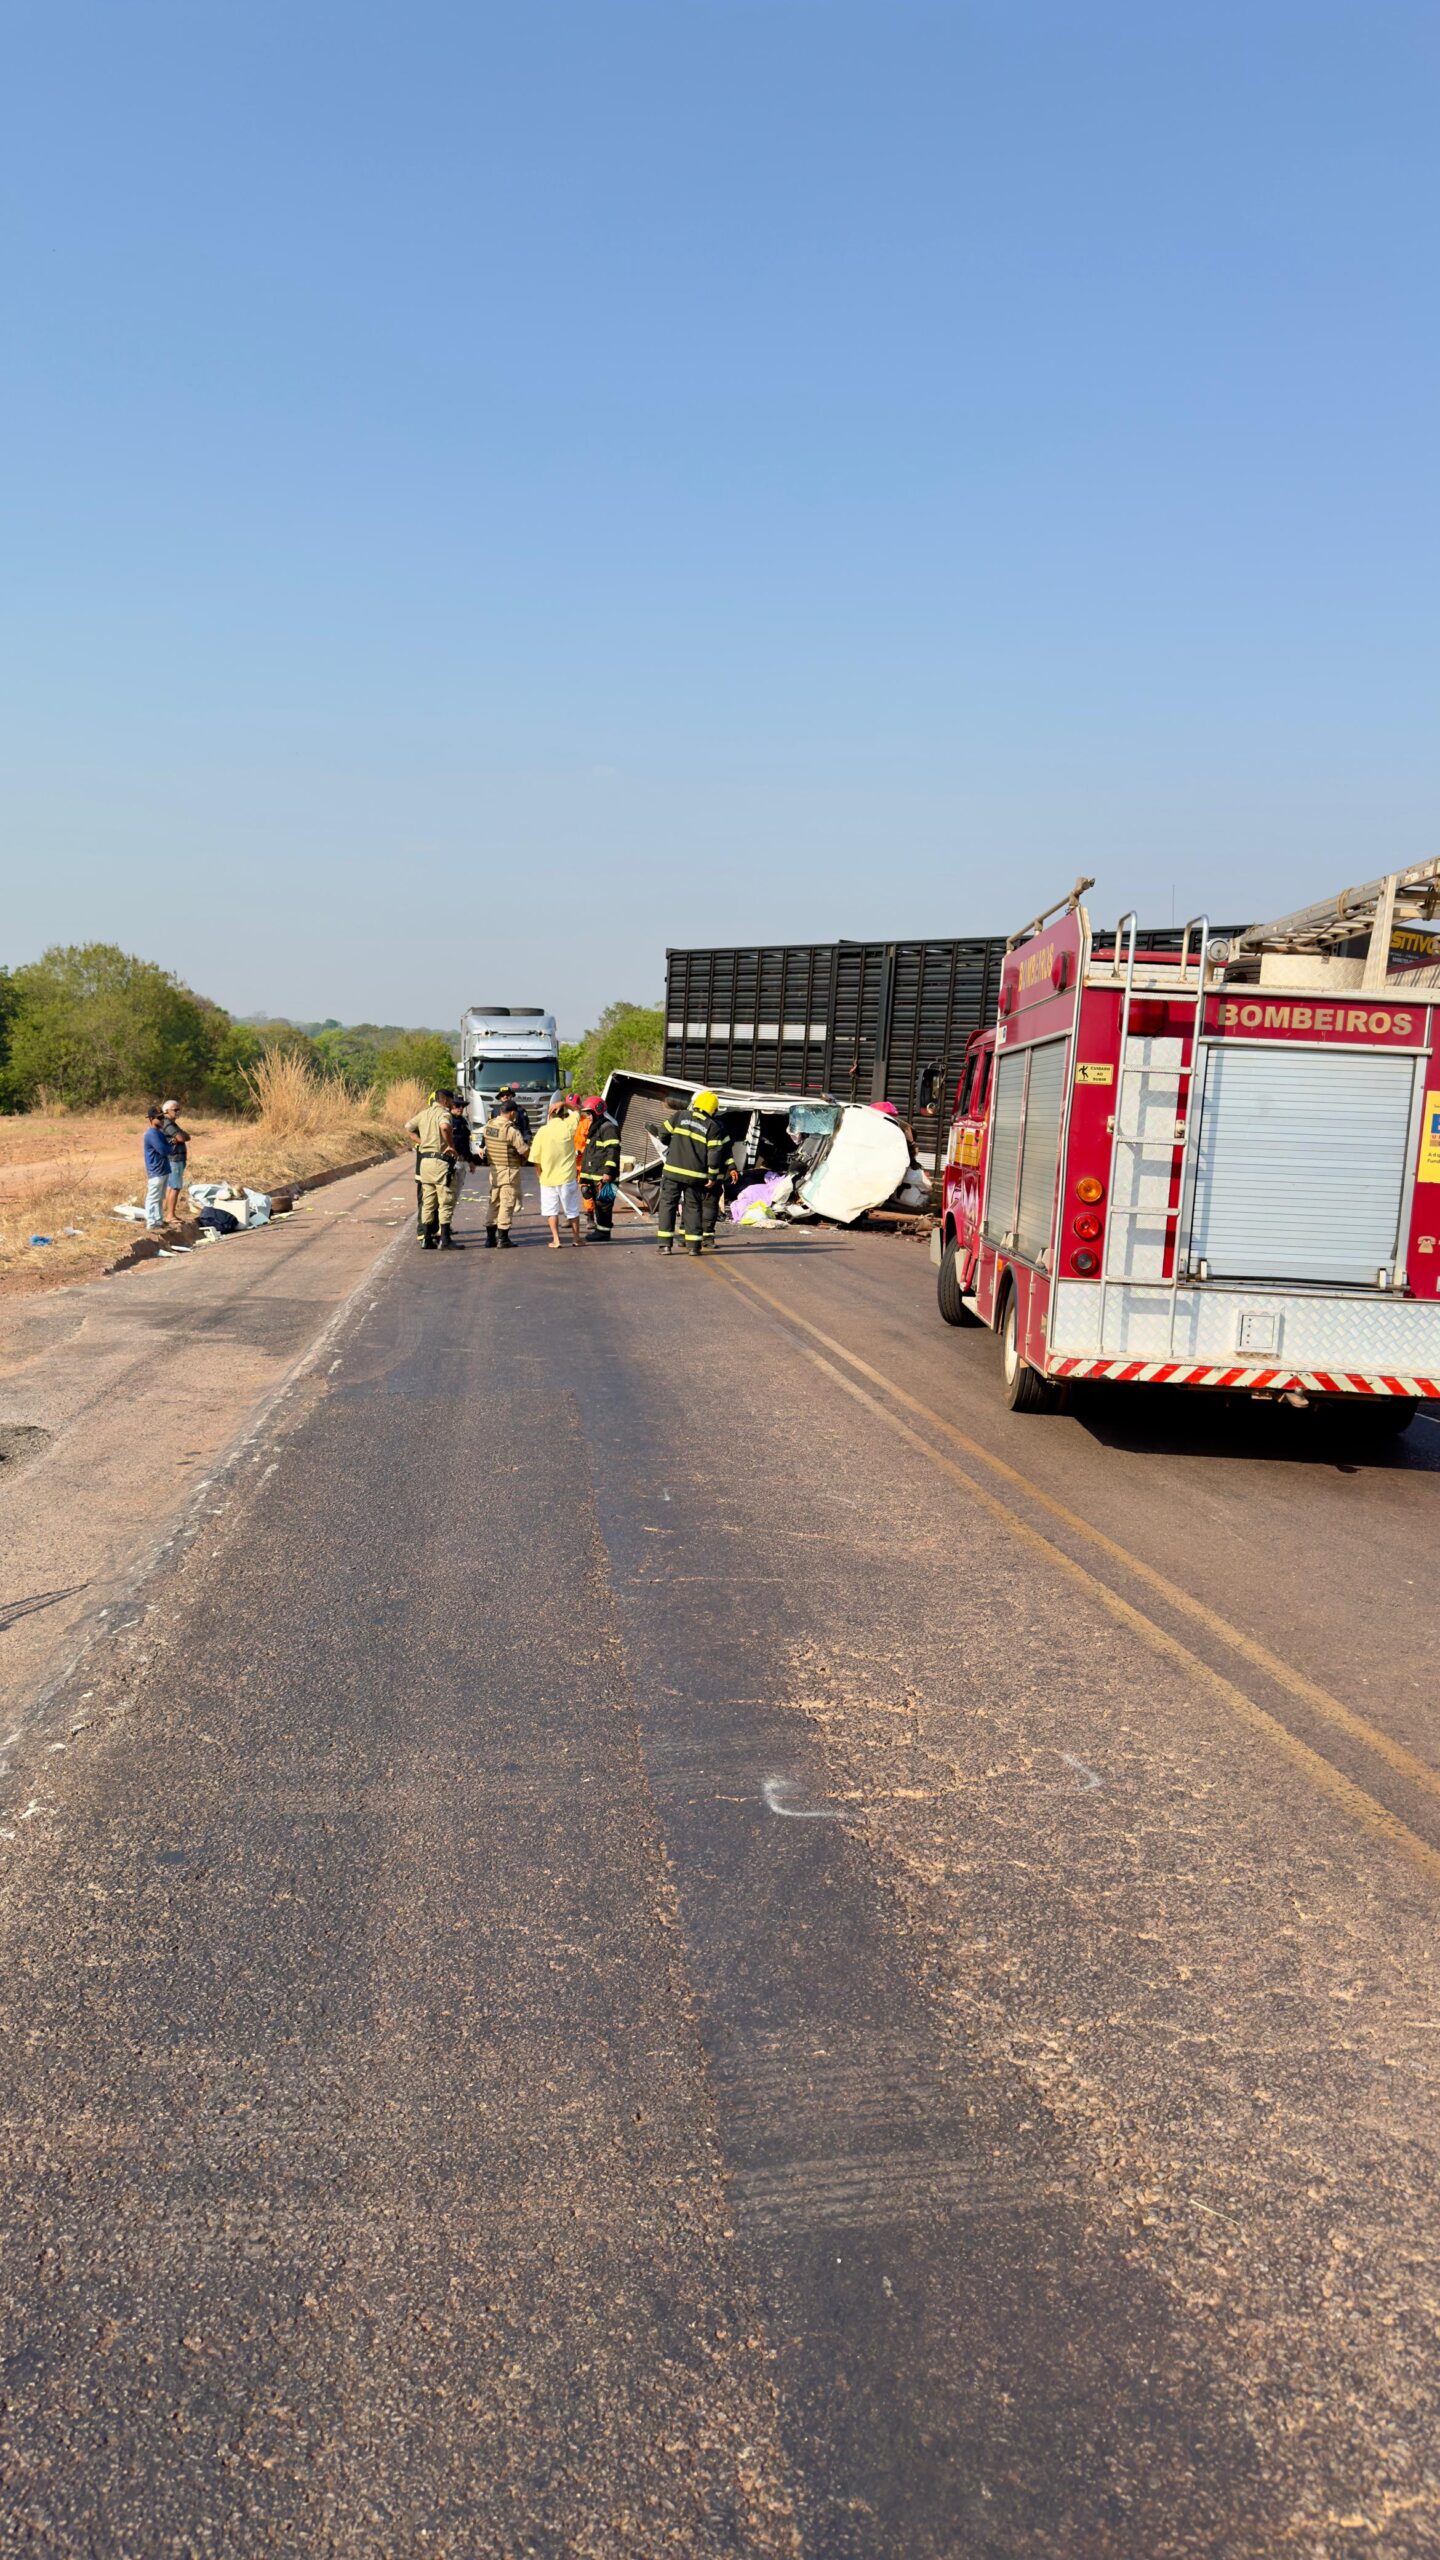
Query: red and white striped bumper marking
[{"x": 1311, "y": 1382}]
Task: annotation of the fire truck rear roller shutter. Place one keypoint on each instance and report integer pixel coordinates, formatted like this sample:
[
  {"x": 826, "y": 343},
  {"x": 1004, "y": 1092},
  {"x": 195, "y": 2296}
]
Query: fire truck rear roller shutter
[{"x": 1300, "y": 1164}]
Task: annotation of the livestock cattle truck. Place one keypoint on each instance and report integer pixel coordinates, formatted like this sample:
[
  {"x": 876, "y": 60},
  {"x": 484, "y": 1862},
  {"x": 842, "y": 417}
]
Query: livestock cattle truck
[{"x": 1215, "y": 1167}]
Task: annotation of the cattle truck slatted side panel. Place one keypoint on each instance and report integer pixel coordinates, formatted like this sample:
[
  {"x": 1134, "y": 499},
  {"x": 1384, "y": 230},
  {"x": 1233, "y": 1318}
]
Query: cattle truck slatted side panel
[{"x": 861, "y": 1020}]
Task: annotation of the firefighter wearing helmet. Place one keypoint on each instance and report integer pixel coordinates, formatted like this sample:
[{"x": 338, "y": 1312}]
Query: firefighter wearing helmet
[
  {"x": 599, "y": 1167},
  {"x": 697, "y": 1155}
]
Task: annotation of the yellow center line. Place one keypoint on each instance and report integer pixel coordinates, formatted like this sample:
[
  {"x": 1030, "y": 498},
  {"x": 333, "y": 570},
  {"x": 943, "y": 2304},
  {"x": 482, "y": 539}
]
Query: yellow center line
[{"x": 1341, "y": 1789}]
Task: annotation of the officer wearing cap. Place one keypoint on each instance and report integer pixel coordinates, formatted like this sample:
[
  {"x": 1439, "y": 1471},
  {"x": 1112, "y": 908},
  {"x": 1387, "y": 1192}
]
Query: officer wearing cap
[
  {"x": 505, "y": 1151},
  {"x": 440, "y": 1151},
  {"x": 507, "y": 1099}
]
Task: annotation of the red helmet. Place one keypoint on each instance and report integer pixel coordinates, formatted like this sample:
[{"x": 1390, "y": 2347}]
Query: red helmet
[{"x": 593, "y": 1102}]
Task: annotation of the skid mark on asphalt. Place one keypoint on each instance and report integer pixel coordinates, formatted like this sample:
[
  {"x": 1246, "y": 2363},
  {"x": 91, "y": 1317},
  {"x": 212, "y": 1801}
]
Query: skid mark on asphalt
[
  {"x": 860, "y": 2131},
  {"x": 866, "y": 2194}
]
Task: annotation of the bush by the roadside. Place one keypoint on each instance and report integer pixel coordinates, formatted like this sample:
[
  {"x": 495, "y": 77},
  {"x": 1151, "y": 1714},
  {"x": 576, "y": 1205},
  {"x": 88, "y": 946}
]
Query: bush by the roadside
[
  {"x": 420, "y": 1055},
  {"x": 88, "y": 1024},
  {"x": 626, "y": 1035},
  {"x": 88, "y": 1021}
]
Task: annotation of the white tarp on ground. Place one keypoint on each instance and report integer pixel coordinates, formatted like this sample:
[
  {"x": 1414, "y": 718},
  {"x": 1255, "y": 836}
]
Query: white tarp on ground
[
  {"x": 866, "y": 1160},
  {"x": 247, "y": 1208}
]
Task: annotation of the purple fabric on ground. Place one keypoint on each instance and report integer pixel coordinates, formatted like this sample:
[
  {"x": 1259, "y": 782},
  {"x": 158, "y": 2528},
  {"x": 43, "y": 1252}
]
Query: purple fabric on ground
[{"x": 755, "y": 1195}]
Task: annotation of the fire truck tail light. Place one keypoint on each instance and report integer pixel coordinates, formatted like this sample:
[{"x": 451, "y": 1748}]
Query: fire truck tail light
[
  {"x": 1086, "y": 1228},
  {"x": 1084, "y": 1263},
  {"x": 1090, "y": 1188}
]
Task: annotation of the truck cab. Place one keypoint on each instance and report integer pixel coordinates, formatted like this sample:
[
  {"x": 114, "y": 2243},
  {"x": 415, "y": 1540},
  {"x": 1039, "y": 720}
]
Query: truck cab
[
  {"x": 963, "y": 1179},
  {"x": 504, "y": 1044}
]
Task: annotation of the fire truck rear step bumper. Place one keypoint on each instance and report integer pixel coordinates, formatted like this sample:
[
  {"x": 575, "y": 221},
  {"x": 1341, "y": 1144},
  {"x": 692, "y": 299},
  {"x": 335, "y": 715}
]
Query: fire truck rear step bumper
[{"x": 1184, "y": 1373}]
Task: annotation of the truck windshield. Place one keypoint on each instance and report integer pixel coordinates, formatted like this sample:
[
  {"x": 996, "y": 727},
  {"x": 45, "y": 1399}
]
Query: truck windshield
[{"x": 532, "y": 1074}]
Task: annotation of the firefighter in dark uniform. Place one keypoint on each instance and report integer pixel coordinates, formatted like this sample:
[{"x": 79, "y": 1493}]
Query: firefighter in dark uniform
[
  {"x": 600, "y": 1169},
  {"x": 723, "y": 1181},
  {"x": 695, "y": 1141},
  {"x": 442, "y": 1147}
]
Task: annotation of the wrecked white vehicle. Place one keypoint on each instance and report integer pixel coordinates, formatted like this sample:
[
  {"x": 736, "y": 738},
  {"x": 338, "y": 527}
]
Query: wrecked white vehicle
[{"x": 801, "y": 1157}]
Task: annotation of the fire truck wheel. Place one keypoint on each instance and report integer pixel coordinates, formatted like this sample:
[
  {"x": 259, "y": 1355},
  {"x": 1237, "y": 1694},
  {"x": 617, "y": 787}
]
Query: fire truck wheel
[
  {"x": 948, "y": 1290},
  {"x": 1025, "y": 1390}
]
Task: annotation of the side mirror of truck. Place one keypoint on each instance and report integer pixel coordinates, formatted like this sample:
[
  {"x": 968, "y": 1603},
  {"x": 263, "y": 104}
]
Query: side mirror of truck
[{"x": 925, "y": 1091}]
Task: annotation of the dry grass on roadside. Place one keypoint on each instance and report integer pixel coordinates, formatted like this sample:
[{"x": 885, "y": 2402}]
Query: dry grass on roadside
[
  {"x": 60, "y": 1169},
  {"x": 63, "y": 1192},
  {"x": 302, "y": 1123},
  {"x": 400, "y": 1102}
]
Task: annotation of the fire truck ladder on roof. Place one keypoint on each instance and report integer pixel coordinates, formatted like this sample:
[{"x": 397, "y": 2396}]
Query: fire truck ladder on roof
[
  {"x": 1377, "y": 906},
  {"x": 1128, "y": 1129}
]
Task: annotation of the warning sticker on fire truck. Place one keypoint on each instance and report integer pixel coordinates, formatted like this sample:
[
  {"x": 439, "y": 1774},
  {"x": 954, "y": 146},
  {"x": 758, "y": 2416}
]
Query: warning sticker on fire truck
[
  {"x": 1095, "y": 1075},
  {"x": 1428, "y": 1169}
]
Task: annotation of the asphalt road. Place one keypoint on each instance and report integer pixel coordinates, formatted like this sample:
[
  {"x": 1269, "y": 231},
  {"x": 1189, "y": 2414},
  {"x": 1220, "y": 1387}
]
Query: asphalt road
[{"x": 679, "y": 1935}]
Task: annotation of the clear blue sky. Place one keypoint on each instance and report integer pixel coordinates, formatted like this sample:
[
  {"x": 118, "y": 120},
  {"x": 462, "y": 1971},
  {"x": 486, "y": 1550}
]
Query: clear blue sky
[{"x": 493, "y": 486}]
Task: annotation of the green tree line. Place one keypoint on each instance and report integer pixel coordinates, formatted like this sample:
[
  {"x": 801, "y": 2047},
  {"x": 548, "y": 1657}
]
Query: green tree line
[
  {"x": 626, "y": 1035},
  {"x": 88, "y": 1023}
]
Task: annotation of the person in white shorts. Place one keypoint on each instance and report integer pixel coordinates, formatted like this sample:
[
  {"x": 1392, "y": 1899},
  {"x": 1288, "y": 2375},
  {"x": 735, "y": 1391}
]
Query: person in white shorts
[{"x": 552, "y": 1153}]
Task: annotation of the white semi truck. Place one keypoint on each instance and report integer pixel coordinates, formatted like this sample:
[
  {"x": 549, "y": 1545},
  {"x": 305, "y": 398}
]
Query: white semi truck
[{"x": 504, "y": 1044}]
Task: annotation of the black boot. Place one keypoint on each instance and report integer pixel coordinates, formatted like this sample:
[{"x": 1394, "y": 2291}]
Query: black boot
[
  {"x": 490, "y": 1235},
  {"x": 427, "y": 1238},
  {"x": 505, "y": 1236},
  {"x": 450, "y": 1242}
]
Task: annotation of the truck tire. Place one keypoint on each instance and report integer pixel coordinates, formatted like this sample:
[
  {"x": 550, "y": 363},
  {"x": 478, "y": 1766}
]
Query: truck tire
[
  {"x": 948, "y": 1290},
  {"x": 1025, "y": 1390}
]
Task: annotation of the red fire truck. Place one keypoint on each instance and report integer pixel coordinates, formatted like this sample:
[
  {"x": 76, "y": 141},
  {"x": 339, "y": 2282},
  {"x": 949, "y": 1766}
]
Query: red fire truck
[{"x": 1216, "y": 1166}]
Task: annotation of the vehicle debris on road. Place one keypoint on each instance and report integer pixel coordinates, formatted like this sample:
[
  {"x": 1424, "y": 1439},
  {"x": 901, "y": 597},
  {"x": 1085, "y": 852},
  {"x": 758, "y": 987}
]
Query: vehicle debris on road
[{"x": 798, "y": 1158}]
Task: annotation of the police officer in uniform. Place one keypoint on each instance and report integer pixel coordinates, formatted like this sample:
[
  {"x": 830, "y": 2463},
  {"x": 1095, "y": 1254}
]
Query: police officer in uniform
[
  {"x": 505, "y": 1151},
  {"x": 508, "y": 1100},
  {"x": 600, "y": 1168},
  {"x": 695, "y": 1143},
  {"x": 440, "y": 1150}
]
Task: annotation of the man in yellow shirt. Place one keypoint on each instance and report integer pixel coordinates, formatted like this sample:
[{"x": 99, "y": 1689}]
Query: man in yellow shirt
[{"x": 552, "y": 1153}]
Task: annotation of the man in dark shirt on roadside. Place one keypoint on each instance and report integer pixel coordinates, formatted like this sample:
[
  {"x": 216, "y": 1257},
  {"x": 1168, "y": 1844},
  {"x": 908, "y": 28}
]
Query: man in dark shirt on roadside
[{"x": 157, "y": 1167}]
